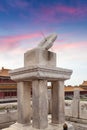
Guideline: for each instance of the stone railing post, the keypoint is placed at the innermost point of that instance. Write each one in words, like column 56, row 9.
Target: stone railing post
column 75, row 103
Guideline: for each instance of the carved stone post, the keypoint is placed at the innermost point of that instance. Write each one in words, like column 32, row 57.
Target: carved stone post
column 40, row 104
column 24, row 98
column 75, row 103
column 58, row 102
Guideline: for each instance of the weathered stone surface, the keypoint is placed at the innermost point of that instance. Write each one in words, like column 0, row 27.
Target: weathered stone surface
column 47, row 42
column 39, row 56
column 58, row 102
column 77, row 93
column 76, row 104
column 40, row 104
column 73, row 119
column 18, row 126
column 40, row 72
column 24, row 108
column 79, row 126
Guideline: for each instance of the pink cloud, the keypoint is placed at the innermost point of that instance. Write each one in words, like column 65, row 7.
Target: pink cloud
column 11, row 42
column 18, row 51
column 60, row 13
column 66, row 46
column 71, row 10
column 66, row 9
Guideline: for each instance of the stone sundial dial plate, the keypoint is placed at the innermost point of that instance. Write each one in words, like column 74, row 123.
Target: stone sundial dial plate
column 47, row 42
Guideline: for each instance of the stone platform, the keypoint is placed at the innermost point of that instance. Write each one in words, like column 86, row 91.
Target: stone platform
column 51, row 126
column 18, row 126
column 80, row 126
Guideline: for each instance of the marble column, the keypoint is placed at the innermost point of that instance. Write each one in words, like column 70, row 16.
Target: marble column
column 24, row 99
column 58, row 102
column 40, row 104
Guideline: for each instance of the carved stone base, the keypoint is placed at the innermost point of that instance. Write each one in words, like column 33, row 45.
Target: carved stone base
column 18, row 126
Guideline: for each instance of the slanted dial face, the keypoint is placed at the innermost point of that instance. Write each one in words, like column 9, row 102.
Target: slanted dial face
column 47, row 42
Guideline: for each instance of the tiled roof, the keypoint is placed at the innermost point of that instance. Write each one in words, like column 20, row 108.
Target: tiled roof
column 71, row 89
column 4, row 77
column 84, row 84
column 4, row 72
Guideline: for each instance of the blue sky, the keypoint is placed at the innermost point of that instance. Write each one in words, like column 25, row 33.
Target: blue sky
column 21, row 24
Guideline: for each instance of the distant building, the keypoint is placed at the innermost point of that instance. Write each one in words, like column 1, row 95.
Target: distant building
column 70, row 89
column 83, row 85
column 8, row 87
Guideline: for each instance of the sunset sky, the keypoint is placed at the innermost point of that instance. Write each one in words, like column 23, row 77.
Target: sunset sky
column 23, row 23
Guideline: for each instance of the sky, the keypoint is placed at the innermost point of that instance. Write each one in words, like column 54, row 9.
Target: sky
column 23, row 23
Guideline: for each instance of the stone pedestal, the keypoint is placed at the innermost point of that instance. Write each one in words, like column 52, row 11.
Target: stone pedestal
column 40, row 68
column 58, row 102
column 39, row 56
column 40, row 104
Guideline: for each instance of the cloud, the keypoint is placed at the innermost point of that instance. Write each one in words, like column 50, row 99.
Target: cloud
column 67, row 46
column 59, row 13
column 11, row 60
column 42, row 13
column 10, row 42
column 9, row 6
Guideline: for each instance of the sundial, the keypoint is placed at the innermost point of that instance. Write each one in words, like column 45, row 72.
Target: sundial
column 48, row 41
